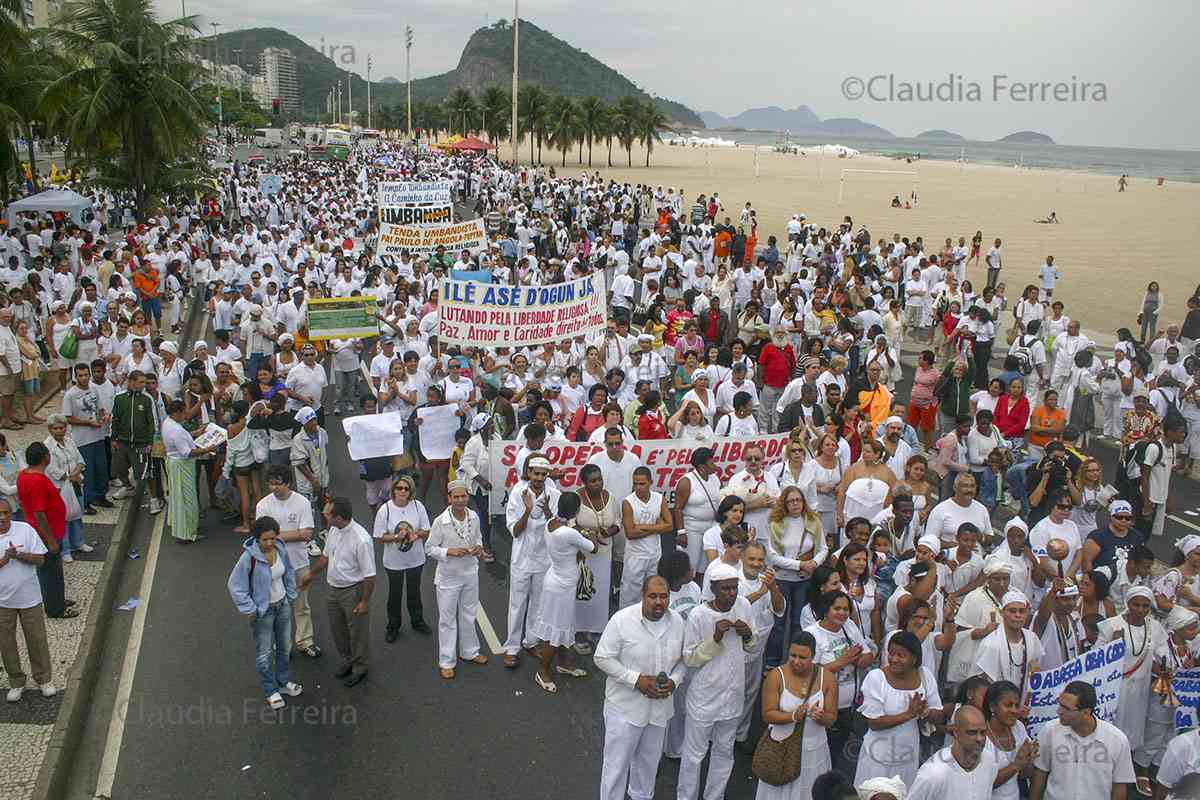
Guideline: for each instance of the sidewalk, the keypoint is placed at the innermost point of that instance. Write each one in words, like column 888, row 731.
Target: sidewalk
column 26, row 727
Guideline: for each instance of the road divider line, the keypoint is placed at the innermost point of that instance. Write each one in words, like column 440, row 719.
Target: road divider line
column 116, row 726
column 1182, row 521
column 489, row 633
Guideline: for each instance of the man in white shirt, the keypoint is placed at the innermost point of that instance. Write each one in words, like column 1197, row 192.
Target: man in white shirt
column 306, row 383
column 948, row 515
column 293, row 512
column 531, row 505
column 717, row 638
column 641, row 652
column 1080, row 757
column 994, row 263
column 964, row 770
column 1181, row 759
column 757, row 488
column 21, row 553
column 349, row 558
column 1048, row 276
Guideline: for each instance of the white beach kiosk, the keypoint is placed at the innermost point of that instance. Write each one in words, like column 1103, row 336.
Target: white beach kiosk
column 73, row 204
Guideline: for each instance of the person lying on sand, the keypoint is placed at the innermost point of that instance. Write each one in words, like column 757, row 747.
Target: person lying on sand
column 1050, row 220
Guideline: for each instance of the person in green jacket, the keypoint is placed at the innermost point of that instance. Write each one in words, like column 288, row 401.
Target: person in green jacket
column 955, row 388
column 133, row 429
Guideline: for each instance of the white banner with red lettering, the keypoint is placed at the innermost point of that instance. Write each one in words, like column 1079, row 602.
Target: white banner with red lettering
column 668, row 460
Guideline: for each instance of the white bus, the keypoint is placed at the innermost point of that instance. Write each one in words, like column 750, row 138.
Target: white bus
column 268, row 137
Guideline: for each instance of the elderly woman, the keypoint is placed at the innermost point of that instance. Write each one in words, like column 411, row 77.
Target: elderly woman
column 136, row 359
column 183, row 502
column 87, row 331
column 31, row 370
column 66, row 470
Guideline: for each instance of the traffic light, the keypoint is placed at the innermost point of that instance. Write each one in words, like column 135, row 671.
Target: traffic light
column 275, row 106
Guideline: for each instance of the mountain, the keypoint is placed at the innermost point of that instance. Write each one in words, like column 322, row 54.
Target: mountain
column 940, row 135
column 1027, row 137
column 770, row 118
column 486, row 59
column 801, row 119
column 389, row 79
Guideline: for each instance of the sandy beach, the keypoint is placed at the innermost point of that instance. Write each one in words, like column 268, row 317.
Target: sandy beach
column 1108, row 246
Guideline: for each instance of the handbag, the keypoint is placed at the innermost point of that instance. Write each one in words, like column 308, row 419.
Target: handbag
column 778, row 763
column 585, row 587
column 70, row 346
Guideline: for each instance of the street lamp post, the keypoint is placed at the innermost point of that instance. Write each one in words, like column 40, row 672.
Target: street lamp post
column 368, row 91
column 238, row 61
column 350, row 99
column 516, row 43
column 408, row 40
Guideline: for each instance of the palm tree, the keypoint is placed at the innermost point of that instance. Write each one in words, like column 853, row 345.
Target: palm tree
column 461, row 105
column 126, row 96
column 591, row 115
column 496, row 105
column 532, row 104
column 563, row 124
column 648, row 124
column 625, row 121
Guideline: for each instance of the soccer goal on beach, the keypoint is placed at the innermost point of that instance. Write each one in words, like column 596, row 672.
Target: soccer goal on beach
column 866, row 174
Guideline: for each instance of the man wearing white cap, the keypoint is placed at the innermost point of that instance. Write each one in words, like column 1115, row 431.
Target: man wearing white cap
column 717, row 637
column 1011, row 652
column 456, row 544
column 1144, row 639
column 897, row 450
column 531, row 505
column 1059, row 626
column 258, row 336
column 310, row 456
column 978, row 616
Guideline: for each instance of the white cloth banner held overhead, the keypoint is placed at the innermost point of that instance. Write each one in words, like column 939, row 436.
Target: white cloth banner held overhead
column 489, row 315
column 668, row 460
column 413, row 193
column 1100, row 667
column 374, row 435
column 436, row 431
column 424, row 240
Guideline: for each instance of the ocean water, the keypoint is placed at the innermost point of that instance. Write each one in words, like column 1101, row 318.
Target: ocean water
column 1173, row 165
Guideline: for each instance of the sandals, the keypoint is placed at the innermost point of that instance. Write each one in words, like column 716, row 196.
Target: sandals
column 510, row 661
column 1143, row 786
column 574, row 672
column 479, row 659
column 548, row 686
column 70, row 613
column 447, row 674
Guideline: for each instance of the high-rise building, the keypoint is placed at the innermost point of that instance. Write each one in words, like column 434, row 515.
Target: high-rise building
column 37, row 13
column 277, row 67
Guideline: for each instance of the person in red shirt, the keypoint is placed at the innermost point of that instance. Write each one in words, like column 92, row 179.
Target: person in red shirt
column 777, row 362
column 45, row 510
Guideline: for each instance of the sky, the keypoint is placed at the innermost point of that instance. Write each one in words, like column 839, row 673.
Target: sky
column 1138, row 61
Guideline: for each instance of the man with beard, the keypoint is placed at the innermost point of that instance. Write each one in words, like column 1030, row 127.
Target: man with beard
column 530, row 507
column 641, row 652
column 898, row 451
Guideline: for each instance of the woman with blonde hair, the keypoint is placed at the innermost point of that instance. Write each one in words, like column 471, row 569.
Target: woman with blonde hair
column 795, row 548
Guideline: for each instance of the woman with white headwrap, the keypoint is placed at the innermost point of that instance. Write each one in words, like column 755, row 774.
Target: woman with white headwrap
column 1181, row 583
column 1143, row 637
column 882, row 789
column 1181, row 650
column 1011, row 652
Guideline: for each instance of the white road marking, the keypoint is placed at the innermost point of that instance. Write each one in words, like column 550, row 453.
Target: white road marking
column 1182, row 521
column 489, row 633
column 116, row 726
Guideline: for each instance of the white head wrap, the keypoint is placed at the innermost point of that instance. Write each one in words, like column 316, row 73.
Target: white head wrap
column 1180, row 618
column 1014, row 596
column 1188, row 543
column 876, row 786
column 722, row 572
column 1138, row 591
column 996, row 564
column 930, row 542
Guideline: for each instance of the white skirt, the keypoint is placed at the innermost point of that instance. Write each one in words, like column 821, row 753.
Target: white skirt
column 556, row 622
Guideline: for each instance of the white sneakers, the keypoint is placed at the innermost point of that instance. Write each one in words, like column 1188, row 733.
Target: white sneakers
column 49, row 690
column 120, row 494
column 67, row 558
column 156, row 506
column 275, row 700
column 86, row 548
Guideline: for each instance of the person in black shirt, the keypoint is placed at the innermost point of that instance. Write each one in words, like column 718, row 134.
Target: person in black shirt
column 1049, row 475
column 1105, row 546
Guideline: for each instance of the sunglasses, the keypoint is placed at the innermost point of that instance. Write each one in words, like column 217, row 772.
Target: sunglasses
column 1064, row 506
column 1125, row 517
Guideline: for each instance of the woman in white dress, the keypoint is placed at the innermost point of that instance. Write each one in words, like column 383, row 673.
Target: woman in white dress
column 1007, row 741
column 827, row 477
column 697, row 495
column 1143, row 637
column 555, row 626
column 802, row 693
column 895, row 698
column 867, row 485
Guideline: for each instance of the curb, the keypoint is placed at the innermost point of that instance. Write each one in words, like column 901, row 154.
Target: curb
column 54, row 774
column 68, row 726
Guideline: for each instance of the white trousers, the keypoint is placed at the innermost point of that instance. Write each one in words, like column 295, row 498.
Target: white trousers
column 457, row 607
column 673, row 743
column 1112, row 415
column 524, row 595
column 696, row 739
column 637, row 569
column 754, row 678
column 631, row 754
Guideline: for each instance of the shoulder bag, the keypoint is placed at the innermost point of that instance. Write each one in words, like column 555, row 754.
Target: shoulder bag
column 778, row 763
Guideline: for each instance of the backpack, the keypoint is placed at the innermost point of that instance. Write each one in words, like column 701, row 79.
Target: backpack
column 1023, row 355
column 1128, row 487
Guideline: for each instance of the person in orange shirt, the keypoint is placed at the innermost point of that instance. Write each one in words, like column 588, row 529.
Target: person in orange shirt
column 1047, row 422
column 874, row 397
column 145, row 281
column 721, row 244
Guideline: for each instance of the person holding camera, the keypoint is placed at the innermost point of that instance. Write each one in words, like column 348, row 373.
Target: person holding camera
column 1053, row 473
column 402, row 524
